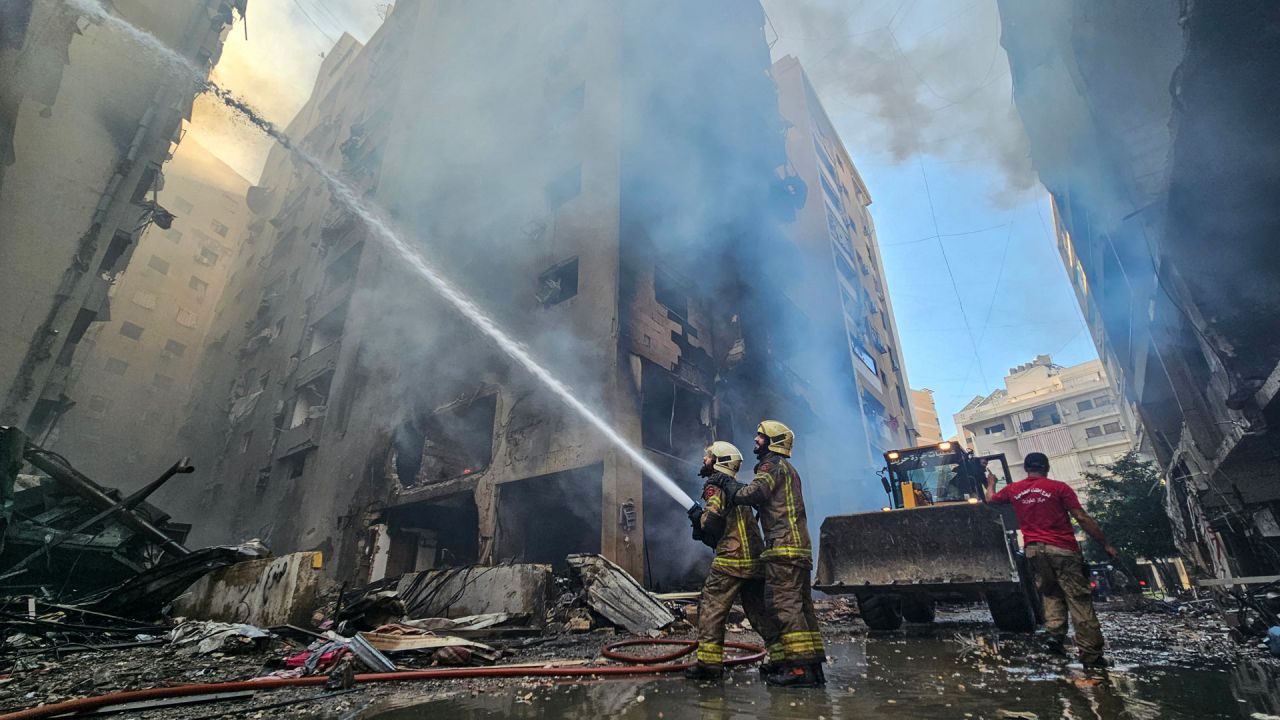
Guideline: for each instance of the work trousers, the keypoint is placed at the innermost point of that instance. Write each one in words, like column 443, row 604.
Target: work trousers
column 789, row 584
column 718, row 593
column 1061, row 582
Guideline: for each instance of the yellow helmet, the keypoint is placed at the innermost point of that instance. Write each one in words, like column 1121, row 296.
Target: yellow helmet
column 780, row 436
column 727, row 458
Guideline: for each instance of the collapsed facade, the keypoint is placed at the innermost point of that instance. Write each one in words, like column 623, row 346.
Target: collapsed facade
column 614, row 191
column 87, row 121
column 1154, row 127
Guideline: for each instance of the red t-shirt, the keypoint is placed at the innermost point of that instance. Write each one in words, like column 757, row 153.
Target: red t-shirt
column 1042, row 506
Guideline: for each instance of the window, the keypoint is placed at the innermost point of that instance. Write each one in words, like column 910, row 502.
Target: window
column 219, row 228
column 186, row 318
column 158, row 264
column 142, row 298
column 181, row 204
column 174, row 236
column 162, row 381
column 115, row 251
column 1111, row 428
column 207, row 257
column 130, row 330
column 116, row 366
column 201, row 287
column 98, row 405
column 993, row 429
column 1084, row 405
column 1102, row 400
column 1093, row 432
column 175, row 348
column 1041, row 417
column 860, row 350
column 559, row 283
column 670, row 294
column 564, row 188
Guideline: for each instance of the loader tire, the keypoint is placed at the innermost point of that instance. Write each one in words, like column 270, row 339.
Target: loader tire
column 917, row 608
column 1012, row 610
column 880, row 612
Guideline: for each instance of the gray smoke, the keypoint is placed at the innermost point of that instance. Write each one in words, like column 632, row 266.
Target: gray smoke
column 913, row 78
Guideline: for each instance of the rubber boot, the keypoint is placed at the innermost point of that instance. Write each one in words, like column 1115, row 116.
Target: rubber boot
column 704, row 672
column 1056, row 646
column 1098, row 663
column 819, row 673
column 795, row 676
column 769, row 668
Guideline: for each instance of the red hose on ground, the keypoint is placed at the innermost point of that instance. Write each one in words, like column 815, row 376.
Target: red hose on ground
column 647, row 665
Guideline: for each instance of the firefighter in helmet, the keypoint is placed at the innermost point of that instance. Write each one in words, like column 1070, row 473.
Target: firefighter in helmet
column 735, row 571
column 775, row 492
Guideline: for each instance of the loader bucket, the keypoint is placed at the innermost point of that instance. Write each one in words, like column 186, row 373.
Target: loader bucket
column 934, row 547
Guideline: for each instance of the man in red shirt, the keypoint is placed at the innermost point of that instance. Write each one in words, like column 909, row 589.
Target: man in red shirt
column 1045, row 508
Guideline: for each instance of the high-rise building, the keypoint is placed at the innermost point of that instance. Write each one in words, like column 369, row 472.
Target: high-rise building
column 142, row 364
column 1164, row 191
column 1070, row 414
column 925, row 412
column 835, row 242
column 88, row 118
column 614, row 191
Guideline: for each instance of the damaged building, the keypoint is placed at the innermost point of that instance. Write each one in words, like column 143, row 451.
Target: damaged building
column 87, row 122
column 1164, row 187
column 635, row 215
column 143, row 362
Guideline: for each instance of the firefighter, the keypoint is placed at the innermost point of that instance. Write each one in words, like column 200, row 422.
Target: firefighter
column 788, row 556
column 735, row 572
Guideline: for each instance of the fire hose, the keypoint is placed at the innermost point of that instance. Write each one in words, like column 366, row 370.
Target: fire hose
column 640, row 665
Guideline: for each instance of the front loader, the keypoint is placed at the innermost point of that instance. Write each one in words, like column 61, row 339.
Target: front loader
column 936, row 539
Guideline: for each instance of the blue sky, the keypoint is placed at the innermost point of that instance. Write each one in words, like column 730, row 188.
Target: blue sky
column 921, row 95
column 918, row 89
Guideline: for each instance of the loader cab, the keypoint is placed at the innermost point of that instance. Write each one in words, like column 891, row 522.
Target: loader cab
column 938, row 474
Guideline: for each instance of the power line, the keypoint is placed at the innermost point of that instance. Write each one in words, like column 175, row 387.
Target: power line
column 313, row 22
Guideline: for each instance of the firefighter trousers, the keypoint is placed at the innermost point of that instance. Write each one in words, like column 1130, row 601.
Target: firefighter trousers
column 1061, row 582
column 718, row 593
column 792, row 596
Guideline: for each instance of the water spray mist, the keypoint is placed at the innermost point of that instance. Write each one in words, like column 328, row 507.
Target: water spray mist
column 382, row 229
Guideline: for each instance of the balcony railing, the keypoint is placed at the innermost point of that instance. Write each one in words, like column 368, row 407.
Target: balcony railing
column 322, row 361
column 300, row 438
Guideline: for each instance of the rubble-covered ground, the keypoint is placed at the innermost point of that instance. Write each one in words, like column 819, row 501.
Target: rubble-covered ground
column 1167, row 665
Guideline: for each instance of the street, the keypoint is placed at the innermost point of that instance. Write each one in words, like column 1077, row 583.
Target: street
column 1165, row 667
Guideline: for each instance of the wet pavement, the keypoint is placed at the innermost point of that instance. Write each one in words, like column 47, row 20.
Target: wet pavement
column 955, row 669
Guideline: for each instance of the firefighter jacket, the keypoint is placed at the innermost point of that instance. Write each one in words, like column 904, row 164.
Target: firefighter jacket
column 734, row 532
column 775, row 493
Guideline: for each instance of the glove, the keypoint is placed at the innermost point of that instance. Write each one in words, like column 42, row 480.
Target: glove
column 695, row 519
column 731, row 489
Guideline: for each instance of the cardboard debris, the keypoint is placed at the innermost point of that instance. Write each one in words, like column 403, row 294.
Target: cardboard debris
column 616, row 596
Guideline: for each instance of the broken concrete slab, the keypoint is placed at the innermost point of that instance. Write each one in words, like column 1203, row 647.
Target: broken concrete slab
column 267, row 592
column 521, row 589
column 617, row 596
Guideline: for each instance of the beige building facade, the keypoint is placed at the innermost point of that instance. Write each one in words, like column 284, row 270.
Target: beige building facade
column 835, row 229
column 925, row 412
column 1070, row 414
column 135, row 373
column 88, row 120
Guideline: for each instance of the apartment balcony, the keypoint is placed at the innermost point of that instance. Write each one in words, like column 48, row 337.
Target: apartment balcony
column 318, row 363
column 331, row 298
column 300, row 438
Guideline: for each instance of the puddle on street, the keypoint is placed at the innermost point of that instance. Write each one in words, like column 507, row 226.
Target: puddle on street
column 881, row 677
